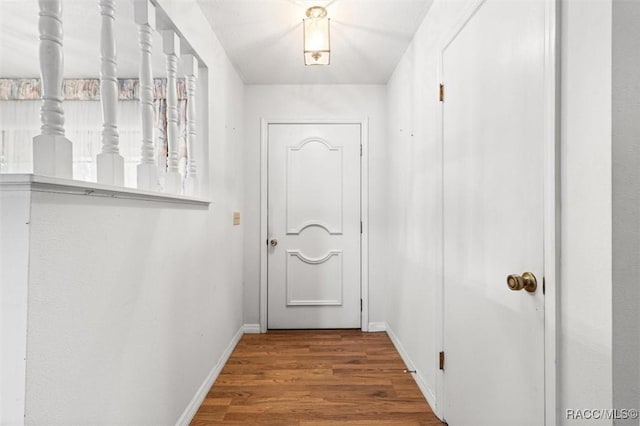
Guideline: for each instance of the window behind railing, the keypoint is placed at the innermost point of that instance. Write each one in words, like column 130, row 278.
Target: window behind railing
column 129, row 118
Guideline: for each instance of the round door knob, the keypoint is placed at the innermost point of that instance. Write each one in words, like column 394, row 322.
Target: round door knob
column 526, row 281
column 273, row 242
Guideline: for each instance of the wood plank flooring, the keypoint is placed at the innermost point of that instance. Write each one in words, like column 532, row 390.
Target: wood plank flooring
column 313, row 378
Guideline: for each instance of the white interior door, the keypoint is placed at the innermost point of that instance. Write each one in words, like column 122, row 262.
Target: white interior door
column 493, row 112
column 314, row 226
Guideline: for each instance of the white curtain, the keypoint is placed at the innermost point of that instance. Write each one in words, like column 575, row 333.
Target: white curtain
column 20, row 122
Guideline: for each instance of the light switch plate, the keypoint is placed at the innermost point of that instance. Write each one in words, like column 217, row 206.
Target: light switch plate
column 236, row 218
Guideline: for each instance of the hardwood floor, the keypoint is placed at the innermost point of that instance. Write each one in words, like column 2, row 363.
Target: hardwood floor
column 337, row 377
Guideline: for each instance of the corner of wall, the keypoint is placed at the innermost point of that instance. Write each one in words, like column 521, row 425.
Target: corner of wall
column 15, row 218
column 417, row 374
column 193, row 406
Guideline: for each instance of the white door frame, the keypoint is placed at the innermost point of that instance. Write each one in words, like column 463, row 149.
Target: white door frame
column 551, row 208
column 364, row 210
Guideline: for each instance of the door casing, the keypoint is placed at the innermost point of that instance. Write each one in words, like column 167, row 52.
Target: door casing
column 364, row 210
column 551, row 208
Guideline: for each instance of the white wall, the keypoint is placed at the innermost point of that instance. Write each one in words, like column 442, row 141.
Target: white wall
column 626, row 206
column 132, row 303
column 414, row 246
column 14, row 276
column 415, row 243
column 585, row 276
column 319, row 102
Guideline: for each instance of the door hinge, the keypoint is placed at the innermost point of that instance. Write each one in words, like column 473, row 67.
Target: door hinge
column 441, row 360
column 441, row 92
column 360, row 305
column 544, row 282
column 267, row 241
column 361, row 227
column 360, row 150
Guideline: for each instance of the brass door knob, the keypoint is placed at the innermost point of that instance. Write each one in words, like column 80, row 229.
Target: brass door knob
column 527, row 281
column 273, row 242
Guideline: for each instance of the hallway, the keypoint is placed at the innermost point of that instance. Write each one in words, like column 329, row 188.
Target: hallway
column 344, row 377
column 456, row 192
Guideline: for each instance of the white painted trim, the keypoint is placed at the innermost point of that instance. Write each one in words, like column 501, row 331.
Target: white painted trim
column 364, row 209
column 551, row 212
column 251, row 328
column 264, row 232
column 37, row 183
column 375, row 327
column 202, row 392
column 551, row 209
column 364, row 216
column 428, row 393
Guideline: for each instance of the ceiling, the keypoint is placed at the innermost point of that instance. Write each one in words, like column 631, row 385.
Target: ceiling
column 263, row 38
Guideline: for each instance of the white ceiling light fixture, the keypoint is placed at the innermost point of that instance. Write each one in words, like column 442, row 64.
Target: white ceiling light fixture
column 317, row 46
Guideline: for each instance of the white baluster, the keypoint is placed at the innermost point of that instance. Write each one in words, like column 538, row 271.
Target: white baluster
column 190, row 64
column 171, row 48
column 160, row 115
column 145, row 17
column 110, row 163
column 52, row 151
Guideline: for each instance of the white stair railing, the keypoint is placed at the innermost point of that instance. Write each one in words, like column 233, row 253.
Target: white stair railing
column 190, row 64
column 52, row 151
column 171, row 49
column 145, row 14
column 110, row 164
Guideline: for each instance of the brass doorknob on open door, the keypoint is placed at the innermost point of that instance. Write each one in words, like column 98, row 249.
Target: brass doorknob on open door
column 527, row 281
column 273, row 242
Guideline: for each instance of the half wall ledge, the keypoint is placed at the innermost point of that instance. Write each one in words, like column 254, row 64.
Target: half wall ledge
column 31, row 182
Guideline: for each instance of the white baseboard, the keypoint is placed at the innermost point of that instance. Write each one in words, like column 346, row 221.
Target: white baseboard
column 377, row 326
column 252, row 328
column 201, row 394
column 417, row 376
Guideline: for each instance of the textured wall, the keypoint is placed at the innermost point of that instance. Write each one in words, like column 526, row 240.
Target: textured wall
column 626, row 206
column 14, row 277
column 585, row 276
column 133, row 303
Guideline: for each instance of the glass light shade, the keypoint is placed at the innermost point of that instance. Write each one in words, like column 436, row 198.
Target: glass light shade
column 317, row 47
